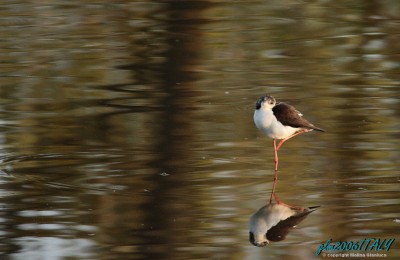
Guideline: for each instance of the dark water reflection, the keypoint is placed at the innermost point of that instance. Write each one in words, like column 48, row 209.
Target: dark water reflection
column 126, row 127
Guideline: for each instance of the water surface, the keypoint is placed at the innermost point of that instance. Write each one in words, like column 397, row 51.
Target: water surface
column 126, row 127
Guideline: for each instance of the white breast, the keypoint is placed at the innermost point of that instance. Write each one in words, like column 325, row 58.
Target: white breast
column 269, row 125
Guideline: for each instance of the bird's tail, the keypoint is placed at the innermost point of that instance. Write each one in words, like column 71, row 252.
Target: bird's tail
column 313, row 127
column 319, row 129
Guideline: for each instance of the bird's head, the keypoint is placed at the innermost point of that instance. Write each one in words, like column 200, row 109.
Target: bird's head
column 258, row 239
column 265, row 102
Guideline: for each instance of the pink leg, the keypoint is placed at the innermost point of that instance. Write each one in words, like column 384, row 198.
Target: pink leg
column 284, row 204
column 276, row 148
column 274, row 185
column 276, row 156
column 276, row 171
column 293, row 135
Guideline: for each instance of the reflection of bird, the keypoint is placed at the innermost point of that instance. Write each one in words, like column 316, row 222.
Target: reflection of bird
column 280, row 121
column 274, row 221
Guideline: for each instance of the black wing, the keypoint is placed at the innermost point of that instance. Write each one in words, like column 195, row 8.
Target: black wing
column 279, row 232
column 289, row 116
